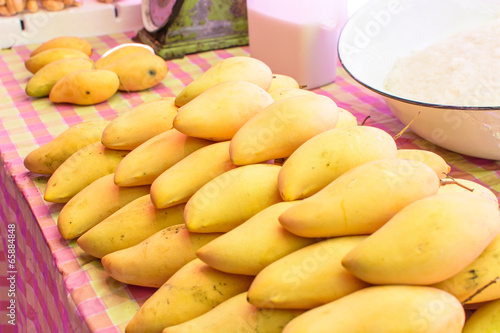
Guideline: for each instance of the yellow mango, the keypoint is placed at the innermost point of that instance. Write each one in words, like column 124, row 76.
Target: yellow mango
column 239, row 68
column 138, row 71
column 35, row 63
column 279, row 129
column 232, row 198
column 466, row 185
column 193, row 290
column 282, row 93
column 436, row 162
column 154, row 260
column 238, row 316
column 80, row 170
column 254, row 244
column 282, row 81
column 472, row 284
column 93, row 204
column 221, row 110
column 129, row 226
column 48, row 157
column 388, row 309
column 139, row 124
column 426, row 242
column 346, row 119
column 380, row 187
column 323, row 158
column 486, row 319
column 121, row 51
column 306, row 278
column 85, row 87
column 40, row 84
column 70, row 42
column 149, row 160
column 179, row 182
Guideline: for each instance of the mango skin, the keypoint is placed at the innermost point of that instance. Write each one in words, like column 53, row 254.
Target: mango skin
column 138, row 71
column 486, row 319
column 193, row 290
column 181, row 181
column 280, row 128
column 237, row 315
column 230, row 69
column 261, row 235
column 120, row 52
column 233, row 197
column 286, row 92
column 469, row 285
column 282, row 81
column 89, row 163
column 85, row 87
column 384, row 186
column 154, row 260
column 128, row 226
column 135, row 126
column 426, row 242
column 93, row 204
column 221, row 110
column 436, row 162
column 69, row 42
column 35, row 63
column 308, row 277
column 47, row 158
column 329, row 155
column 149, row 160
column 42, row 82
column 388, row 309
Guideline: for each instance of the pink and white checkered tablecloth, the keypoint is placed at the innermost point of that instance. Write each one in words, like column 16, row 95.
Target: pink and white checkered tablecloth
column 57, row 287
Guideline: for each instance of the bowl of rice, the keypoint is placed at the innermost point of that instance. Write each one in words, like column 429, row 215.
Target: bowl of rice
column 436, row 64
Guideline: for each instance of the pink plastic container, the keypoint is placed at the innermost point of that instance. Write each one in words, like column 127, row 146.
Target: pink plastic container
column 297, row 38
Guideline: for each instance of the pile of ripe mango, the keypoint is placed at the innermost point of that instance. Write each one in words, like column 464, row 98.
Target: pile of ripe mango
column 64, row 72
column 256, row 206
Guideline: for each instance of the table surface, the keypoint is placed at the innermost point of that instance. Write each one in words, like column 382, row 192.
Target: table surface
column 61, row 288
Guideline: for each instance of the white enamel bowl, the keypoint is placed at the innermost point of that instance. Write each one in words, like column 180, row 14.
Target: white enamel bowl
column 383, row 30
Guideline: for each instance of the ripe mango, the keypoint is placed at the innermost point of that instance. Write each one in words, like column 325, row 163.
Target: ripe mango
column 282, row 93
column 308, row 277
column 426, row 242
column 383, row 187
column 47, row 158
column 69, row 42
column 238, row 316
column 138, row 71
column 135, row 126
column 435, row 161
column 181, row 181
column 251, row 246
column 280, row 128
column 282, row 81
column 466, row 185
column 325, row 157
column 42, row 82
column 233, row 197
column 486, row 319
column 193, row 290
column 36, row 62
column 121, row 51
column 388, row 309
column 153, row 261
column 219, row 112
column 85, row 87
column 346, row 119
column 230, row 69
